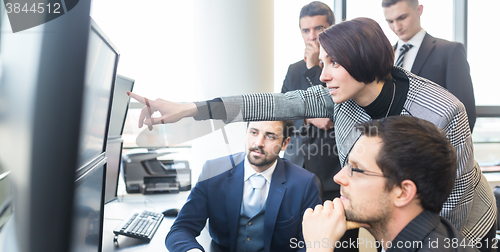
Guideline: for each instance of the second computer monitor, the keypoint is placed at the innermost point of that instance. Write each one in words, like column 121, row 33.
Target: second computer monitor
column 120, row 105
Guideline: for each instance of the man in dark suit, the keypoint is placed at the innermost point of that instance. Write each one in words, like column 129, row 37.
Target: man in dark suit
column 244, row 216
column 438, row 60
column 313, row 145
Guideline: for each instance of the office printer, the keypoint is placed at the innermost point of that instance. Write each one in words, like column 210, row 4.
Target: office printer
column 145, row 173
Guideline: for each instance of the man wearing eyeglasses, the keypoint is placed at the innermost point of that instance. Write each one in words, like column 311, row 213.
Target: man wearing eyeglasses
column 399, row 173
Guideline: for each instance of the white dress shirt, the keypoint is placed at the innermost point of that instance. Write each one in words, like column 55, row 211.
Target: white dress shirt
column 249, row 171
column 267, row 174
column 410, row 56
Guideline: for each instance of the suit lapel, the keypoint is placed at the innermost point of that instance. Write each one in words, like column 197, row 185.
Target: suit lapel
column 423, row 53
column 234, row 189
column 273, row 202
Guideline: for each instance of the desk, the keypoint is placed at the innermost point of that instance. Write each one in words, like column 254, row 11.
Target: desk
column 493, row 179
column 116, row 211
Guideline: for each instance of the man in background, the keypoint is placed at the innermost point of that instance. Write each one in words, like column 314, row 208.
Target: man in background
column 313, row 145
column 438, row 60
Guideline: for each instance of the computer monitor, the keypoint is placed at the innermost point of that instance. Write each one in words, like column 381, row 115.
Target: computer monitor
column 88, row 210
column 114, row 157
column 120, row 105
column 41, row 92
column 102, row 62
column 90, row 185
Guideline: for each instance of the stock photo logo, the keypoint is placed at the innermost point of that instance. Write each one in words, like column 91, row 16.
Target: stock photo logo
column 26, row 14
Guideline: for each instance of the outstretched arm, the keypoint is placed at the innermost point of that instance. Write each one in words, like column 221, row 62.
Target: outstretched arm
column 315, row 102
column 170, row 111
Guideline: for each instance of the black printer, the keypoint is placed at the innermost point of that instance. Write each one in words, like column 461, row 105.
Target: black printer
column 145, row 173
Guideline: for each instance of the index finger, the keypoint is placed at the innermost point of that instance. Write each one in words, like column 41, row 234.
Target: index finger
column 354, row 225
column 309, row 43
column 328, row 206
column 144, row 114
column 337, row 203
column 314, row 44
column 308, row 212
column 137, row 97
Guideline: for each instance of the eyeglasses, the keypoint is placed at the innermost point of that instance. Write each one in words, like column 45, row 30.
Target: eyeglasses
column 368, row 173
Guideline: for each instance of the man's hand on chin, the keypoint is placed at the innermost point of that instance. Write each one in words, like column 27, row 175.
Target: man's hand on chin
column 328, row 222
column 311, row 54
column 325, row 221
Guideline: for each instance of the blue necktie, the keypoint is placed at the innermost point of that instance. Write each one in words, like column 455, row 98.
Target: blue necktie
column 252, row 200
column 402, row 51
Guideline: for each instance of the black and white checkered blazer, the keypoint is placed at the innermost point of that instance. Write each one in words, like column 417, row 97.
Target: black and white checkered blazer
column 470, row 206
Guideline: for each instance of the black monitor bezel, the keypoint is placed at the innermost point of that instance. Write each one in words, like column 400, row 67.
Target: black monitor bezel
column 93, row 166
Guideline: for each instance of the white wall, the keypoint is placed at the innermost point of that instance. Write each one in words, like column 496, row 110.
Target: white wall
column 194, row 50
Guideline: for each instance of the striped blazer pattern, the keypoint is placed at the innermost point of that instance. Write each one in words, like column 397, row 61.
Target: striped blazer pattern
column 471, row 205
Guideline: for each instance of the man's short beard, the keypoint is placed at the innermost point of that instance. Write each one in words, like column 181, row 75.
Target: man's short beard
column 357, row 217
column 378, row 223
column 263, row 162
column 350, row 216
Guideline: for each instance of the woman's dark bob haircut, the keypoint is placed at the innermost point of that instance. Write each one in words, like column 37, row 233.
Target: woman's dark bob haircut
column 361, row 47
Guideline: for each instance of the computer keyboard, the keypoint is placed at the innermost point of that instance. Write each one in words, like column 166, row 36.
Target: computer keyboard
column 140, row 224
